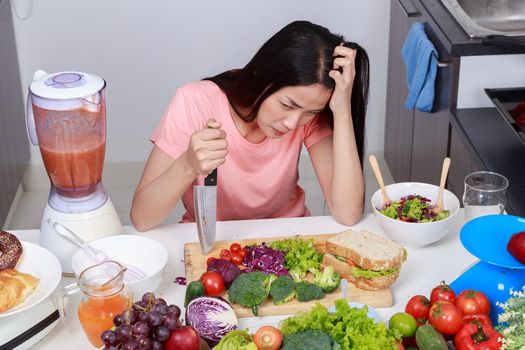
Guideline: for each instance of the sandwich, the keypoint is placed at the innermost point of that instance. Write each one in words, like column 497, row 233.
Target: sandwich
column 367, row 260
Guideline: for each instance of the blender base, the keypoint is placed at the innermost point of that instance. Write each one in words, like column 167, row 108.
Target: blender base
column 101, row 222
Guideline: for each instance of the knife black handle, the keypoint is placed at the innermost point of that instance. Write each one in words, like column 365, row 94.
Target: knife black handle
column 211, row 180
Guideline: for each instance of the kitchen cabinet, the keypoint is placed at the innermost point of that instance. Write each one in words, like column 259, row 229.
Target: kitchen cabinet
column 14, row 146
column 416, row 142
column 464, row 163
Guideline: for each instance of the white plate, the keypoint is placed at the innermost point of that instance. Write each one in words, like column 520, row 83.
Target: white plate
column 42, row 264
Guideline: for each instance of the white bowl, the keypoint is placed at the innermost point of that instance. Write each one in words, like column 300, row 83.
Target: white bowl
column 141, row 252
column 411, row 233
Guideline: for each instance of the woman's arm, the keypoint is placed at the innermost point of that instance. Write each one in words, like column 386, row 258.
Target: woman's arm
column 336, row 159
column 165, row 179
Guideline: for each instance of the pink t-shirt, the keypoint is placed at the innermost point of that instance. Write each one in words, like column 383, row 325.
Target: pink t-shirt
column 257, row 180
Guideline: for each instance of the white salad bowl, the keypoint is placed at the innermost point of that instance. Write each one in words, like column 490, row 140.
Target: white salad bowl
column 411, row 233
column 141, row 252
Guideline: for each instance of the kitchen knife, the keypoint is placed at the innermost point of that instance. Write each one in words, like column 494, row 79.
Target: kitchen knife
column 205, row 204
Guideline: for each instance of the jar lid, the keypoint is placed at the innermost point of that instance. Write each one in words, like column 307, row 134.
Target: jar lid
column 65, row 85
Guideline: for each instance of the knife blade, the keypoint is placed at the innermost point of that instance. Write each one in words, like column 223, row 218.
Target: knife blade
column 205, row 204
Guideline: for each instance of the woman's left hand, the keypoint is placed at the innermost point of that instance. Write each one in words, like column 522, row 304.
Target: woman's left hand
column 344, row 61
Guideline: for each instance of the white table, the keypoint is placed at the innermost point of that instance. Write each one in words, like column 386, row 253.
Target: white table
column 424, row 269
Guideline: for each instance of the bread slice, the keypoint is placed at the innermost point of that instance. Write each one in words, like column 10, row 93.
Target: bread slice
column 376, row 283
column 15, row 287
column 366, row 250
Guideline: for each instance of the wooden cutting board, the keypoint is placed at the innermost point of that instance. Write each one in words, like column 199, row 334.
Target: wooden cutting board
column 195, row 265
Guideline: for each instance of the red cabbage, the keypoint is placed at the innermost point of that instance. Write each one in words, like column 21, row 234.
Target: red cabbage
column 265, row 259
column 212, row 318
column 228, row 270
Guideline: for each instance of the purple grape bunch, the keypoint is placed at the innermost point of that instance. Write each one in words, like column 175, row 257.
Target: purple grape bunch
column 146, row 325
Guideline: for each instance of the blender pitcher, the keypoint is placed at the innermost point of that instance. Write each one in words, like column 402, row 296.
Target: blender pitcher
column 67, row 120
column 102, row 288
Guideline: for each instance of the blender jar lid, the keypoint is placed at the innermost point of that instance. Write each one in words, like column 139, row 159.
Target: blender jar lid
column 65, row 85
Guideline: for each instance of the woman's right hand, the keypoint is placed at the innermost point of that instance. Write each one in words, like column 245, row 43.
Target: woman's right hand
column 207, row 148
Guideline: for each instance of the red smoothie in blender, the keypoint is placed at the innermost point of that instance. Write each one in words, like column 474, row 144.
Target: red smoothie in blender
column 72, row 143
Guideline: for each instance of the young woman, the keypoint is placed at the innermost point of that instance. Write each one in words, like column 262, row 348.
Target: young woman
column 305, row 85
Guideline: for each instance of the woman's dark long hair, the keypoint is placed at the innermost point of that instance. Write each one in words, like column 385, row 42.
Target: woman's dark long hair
column 300, row 54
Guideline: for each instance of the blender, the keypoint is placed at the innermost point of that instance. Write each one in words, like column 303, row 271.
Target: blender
column 66, row 118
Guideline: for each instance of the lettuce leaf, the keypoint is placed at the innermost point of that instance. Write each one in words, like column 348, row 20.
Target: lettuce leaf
column 350, row 327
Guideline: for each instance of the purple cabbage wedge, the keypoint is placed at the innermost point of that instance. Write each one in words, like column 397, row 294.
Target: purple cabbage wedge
column 265, row 259
column 228, row 270
column 212, row 318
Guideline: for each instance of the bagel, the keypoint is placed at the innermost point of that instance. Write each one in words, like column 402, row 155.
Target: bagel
column 10, row 250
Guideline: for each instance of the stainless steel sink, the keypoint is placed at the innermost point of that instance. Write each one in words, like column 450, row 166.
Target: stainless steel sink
column 480, row 18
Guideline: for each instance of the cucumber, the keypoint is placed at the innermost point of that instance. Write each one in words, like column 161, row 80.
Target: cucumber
column 427, row 338
column 194, row 290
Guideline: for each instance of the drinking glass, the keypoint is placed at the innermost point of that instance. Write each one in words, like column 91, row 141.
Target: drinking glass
column 484, row 194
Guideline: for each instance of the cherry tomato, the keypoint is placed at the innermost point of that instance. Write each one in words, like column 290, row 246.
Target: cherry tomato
column 236, row 258
column 472, row 302
column 442, row 292
column 213, row 283
column 225, row 254
column 235, row 247
column 268, row 338
column 446, row 317
column 243, row 252
column 419, row 307
column 209, row 260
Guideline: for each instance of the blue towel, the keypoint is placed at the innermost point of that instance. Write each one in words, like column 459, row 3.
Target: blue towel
column 420, row 58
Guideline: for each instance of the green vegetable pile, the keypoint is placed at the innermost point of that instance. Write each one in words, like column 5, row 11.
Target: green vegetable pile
column 300, row 257
column 350, row 327
column 512, row 321
column 413, row 208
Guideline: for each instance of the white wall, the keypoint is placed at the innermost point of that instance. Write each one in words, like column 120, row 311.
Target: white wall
column 146, row 49
column 480, row 72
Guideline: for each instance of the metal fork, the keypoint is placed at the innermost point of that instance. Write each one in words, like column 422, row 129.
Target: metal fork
column 132, row 273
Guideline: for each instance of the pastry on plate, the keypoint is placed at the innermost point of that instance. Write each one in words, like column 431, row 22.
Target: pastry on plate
column 15, row 286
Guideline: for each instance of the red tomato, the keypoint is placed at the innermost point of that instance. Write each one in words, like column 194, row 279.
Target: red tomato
column 236, row 258
column 477, row 337
column 419, row 307
column 442, row 292
column 235, row 247
column 472, row 302
column 445, row 317
column 268, row 338
column 400, row 346
column 209, row 260
column 212, row 282
column 482, row 318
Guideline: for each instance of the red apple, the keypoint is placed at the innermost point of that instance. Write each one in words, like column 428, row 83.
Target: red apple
column 183, row 338
column 516, row 246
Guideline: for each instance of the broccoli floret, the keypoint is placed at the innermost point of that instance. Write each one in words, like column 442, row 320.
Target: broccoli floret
column 309, row 339
column 282, row 290
column 328, row 280
column 251, row 289
column 306, row 291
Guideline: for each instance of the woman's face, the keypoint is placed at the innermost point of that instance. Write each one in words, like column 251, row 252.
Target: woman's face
column 290, row 108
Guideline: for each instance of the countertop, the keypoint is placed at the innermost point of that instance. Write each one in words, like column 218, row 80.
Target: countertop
column 456, row 41
column 423, row 270
column 493, row 141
